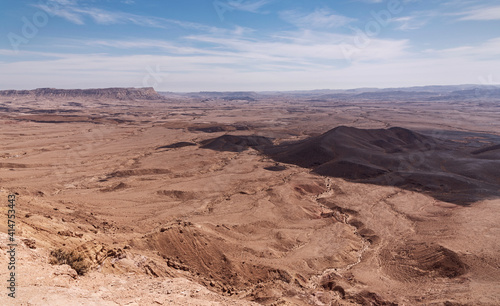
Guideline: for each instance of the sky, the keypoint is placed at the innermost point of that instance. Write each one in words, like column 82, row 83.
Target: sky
column 240, row 45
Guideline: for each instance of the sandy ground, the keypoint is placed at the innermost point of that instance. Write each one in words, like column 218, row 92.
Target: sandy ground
column 193, row 226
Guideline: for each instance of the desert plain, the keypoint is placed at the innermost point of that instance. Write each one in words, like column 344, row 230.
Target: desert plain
column 299, row 198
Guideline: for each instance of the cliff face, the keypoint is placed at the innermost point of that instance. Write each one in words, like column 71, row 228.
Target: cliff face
column 146, row 93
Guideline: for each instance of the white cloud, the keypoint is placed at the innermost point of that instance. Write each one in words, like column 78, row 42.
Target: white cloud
column 71, row 11
column 482, row 14
column 484, row 51
column 239, row 62
column 319, row 19
column 304, row 47
column 407, row 23
column 195, row 73
column 138, row 45
column 243, row 59
column 371, row 1
column 65, row 2
column 54, row 9
column 248, row 6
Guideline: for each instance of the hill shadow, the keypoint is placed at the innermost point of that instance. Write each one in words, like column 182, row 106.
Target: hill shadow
column 444, row 168
column 233, row 143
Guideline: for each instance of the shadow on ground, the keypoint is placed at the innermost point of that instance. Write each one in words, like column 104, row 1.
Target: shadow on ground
column 452, row 169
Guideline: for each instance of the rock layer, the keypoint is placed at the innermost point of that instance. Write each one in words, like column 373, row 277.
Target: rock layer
column 146, row 93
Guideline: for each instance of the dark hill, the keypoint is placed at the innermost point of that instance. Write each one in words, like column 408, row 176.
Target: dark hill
column 350, row 143
column 444, row 169
column 398, row 157
column 235, row 143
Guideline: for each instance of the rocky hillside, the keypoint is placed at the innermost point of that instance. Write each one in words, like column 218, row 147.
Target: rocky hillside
column 398, row 157
column 146, row 93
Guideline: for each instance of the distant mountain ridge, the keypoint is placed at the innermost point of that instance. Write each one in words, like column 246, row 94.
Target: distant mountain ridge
column 146, row 93
column 424, row 93
column 417, row 93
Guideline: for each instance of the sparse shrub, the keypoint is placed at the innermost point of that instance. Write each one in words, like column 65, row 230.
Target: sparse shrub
column 73, row 259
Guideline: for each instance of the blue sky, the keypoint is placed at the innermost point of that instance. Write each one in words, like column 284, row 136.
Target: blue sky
column 198, row 45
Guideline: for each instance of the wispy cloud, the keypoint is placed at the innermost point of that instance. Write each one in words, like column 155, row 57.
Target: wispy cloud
column 481, row 14
column 194, row 73
column 248, row 6
column 414, row 21
column 309, row 56
column 151, row 44
column 72, row 11
column 319, row 19
column 63, row 9
column 303, row 46
column 486, row 50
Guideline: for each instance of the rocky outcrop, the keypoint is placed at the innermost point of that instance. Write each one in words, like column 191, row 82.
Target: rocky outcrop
column 146, row 93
